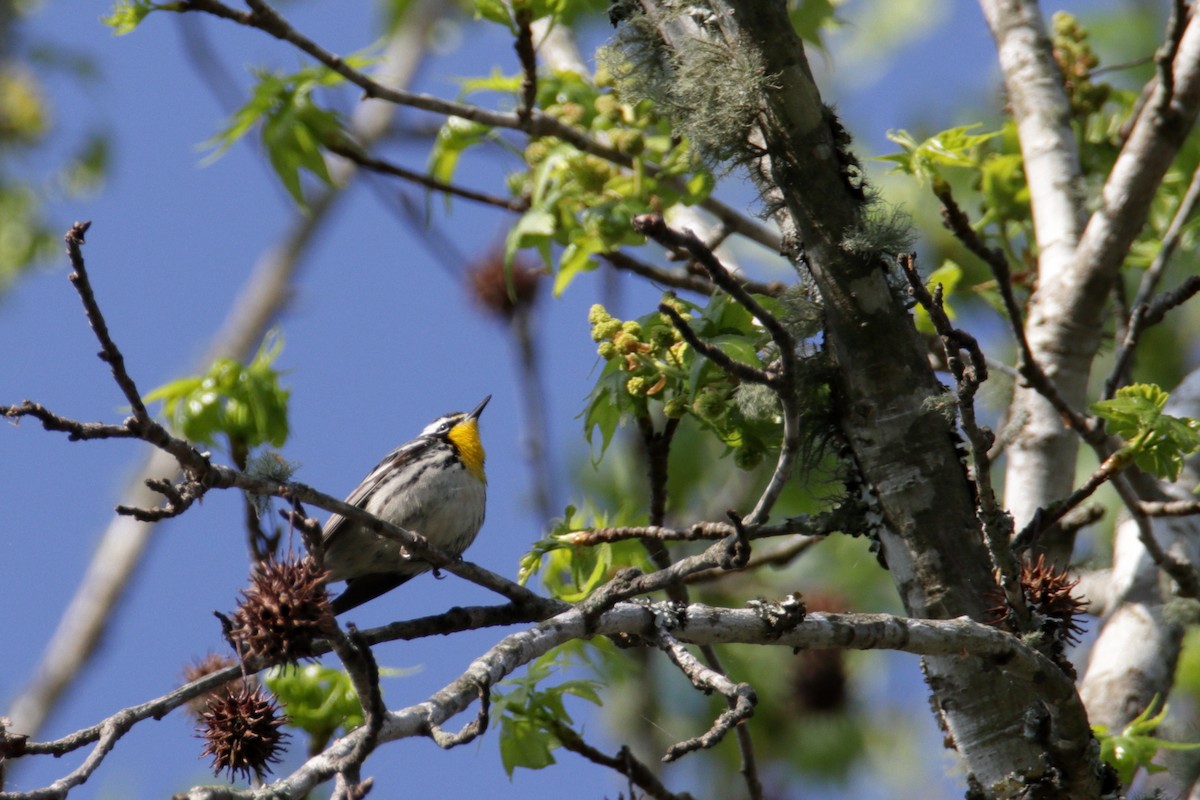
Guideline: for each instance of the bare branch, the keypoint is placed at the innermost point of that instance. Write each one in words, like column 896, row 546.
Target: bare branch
column 1183, row 573
column 528, row 58
column 741, row 695
column 384, row 167
column 969, row 374
column 108, row 349
column 683, row 278
column 74, row 429
column 1142, row 317
column 623, row 762
column 471, row 730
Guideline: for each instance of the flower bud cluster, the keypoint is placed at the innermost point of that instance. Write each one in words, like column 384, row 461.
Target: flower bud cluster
column 650, row 350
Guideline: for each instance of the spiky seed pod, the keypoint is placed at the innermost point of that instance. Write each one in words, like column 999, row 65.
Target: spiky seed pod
column 283, row 613
column 489, row 285
column 213, row 662
column 1057, row 612
column 241, row 732
column 1049, row 593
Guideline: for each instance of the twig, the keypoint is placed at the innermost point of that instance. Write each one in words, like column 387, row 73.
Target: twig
column 355, row 654
column 779, row 557
column 749, row 768
column 656, row 228
column 737, row 369
column 707, row 680
column 266, row 19
column 528, row 58
column 179, row 499
column 784, row 382
column 108, row 350
column 1140, row 319
column 816, row 525
column 1027, row 365
column 1169, row 508
column 75, row 430
column 623, row 762
column 1164, row 58
column 471, row 730
column 684, row 279
column 657, row 445
column 533, row 400
column 1044, row 518
column 1183, row 573
column 388, row 168
column 969, row 374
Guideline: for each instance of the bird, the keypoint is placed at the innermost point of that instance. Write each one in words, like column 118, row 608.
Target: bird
column 433, row 485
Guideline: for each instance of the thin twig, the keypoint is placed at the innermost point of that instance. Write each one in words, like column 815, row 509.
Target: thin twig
column 528, row 58
column 623, row 762
column 783, row 382
column 749, row 768
column 75, row 430
column 969, row 374
column 469, row 732
column 779, row 557
column 685, row 279
column 1044, row 518
column 741, row 696
column 108, row 350
column 958, row 224
column 1183, row 573
column 1138, row 320
column 738, row 369
column 355, row 654
column 816, row 525
column 388, row 168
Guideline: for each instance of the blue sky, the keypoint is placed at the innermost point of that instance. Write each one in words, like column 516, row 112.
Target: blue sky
column 380, row 339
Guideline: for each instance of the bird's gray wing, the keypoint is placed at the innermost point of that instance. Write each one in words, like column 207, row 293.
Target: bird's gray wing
column 397, row 458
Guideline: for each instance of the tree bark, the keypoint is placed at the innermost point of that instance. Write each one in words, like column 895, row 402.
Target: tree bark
column 905, row 449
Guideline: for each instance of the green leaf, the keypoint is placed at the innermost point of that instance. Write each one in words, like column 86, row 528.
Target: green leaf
column 126, row 15
column 534, row 229
column 810, row 18
column 524, row 744
column 1157, row 442
column 317, row 699
column 294, row 127
column 454, row 137
column 495, row 11
column 246, row 404
column 955, row 147
column 605, row 407
column 529, row 711
column 1134, row 747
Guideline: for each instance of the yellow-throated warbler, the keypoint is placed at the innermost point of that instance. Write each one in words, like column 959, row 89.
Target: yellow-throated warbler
column 433, row 485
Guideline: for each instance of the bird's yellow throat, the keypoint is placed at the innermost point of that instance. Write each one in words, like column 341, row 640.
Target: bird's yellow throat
column 465, row 436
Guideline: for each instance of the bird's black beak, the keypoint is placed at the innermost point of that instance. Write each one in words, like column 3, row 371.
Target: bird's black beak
column 479, row 408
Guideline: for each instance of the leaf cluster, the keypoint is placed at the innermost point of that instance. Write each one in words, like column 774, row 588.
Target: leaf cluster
column 533, row 716
column 244, row 403
column 1134, row 746
column 318, row 700
column 1158, row 443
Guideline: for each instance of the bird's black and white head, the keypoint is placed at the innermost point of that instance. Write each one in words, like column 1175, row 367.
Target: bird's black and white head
column 462, row 430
